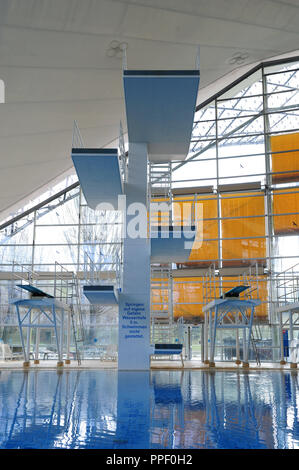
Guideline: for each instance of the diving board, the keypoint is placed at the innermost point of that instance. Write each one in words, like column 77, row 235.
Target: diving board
column 41, row 311
column 34, row 291
column 99, row 175
column 101, row 294
column 235, row 291
column 171, row 244
column 160, row 107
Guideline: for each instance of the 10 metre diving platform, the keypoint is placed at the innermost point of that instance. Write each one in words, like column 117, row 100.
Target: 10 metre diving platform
column 160, row 108
column 99, row 174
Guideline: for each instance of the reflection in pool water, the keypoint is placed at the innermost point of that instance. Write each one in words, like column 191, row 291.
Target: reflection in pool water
column 158, row 409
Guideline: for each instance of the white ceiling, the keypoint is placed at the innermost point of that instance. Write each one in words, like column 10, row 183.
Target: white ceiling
column 54, row 62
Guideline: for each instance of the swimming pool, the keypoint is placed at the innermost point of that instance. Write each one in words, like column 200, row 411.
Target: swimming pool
column 149, row 410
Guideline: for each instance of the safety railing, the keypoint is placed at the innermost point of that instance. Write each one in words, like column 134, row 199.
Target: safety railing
column 105, row 272
column 77, row 141
column 286, row 284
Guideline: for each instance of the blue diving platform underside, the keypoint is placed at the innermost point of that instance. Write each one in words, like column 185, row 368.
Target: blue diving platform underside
column 34, row 291
column 231, row 302
column 104, row 295
column 160, row 107
column 40, row 302
column 173, row 245
column 99, row 175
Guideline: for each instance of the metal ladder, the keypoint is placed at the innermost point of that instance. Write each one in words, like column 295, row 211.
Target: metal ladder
column 159, row 189
column 161, row 310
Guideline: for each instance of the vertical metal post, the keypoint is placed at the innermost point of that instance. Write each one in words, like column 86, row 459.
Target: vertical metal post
column 68, row 337
column 202, row 328
column 249, row 334
column 213, row 336
column 61, row 334
column 282, row 360
column 291, row 326
column 28, row 335
column 56, row 335
column 26, row 359
column 33, row 243
column 238, row 361
column 206, row 337
column 79, row 229
column 37, row 341
column 244, row 345
column 269, row 226
column 211, row 332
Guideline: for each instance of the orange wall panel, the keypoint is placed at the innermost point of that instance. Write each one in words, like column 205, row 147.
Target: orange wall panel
column 282, row 203
column 285, row 162
column 242, row 206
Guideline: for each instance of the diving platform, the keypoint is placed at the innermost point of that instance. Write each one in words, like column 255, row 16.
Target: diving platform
column 40, row 303
column 229, row 313
column 41, row 311
column 231, row 303
column 101, row 294
column 34, row 291
column 235, row 292
column 99, row 175
column 171, row 244
column 160, row 107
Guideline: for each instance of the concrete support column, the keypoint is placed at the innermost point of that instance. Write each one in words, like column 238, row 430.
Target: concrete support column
column 134, row 301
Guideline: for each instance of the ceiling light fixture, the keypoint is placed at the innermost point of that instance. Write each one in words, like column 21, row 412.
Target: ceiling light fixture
column 116, row 49
column 238, row 58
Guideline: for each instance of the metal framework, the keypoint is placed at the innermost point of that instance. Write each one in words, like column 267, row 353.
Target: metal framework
column 223, row 312
column 236, row 115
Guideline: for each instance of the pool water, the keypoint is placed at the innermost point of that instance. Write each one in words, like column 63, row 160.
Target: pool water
column 149, row 410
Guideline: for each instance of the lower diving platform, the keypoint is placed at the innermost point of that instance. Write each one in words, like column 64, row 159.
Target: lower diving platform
column 99, row 174
column 104, row 295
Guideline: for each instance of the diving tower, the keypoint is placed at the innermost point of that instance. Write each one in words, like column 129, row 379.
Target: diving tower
column 160, row 107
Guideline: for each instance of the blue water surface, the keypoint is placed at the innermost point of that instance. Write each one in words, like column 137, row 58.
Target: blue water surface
column 106, row 409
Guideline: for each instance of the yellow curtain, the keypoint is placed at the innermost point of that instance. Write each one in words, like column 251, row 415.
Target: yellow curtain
column 285, row 162
column 203, row 208
column 189, row 291
column 235, row 252
column 189, row 296
column 283, row 203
